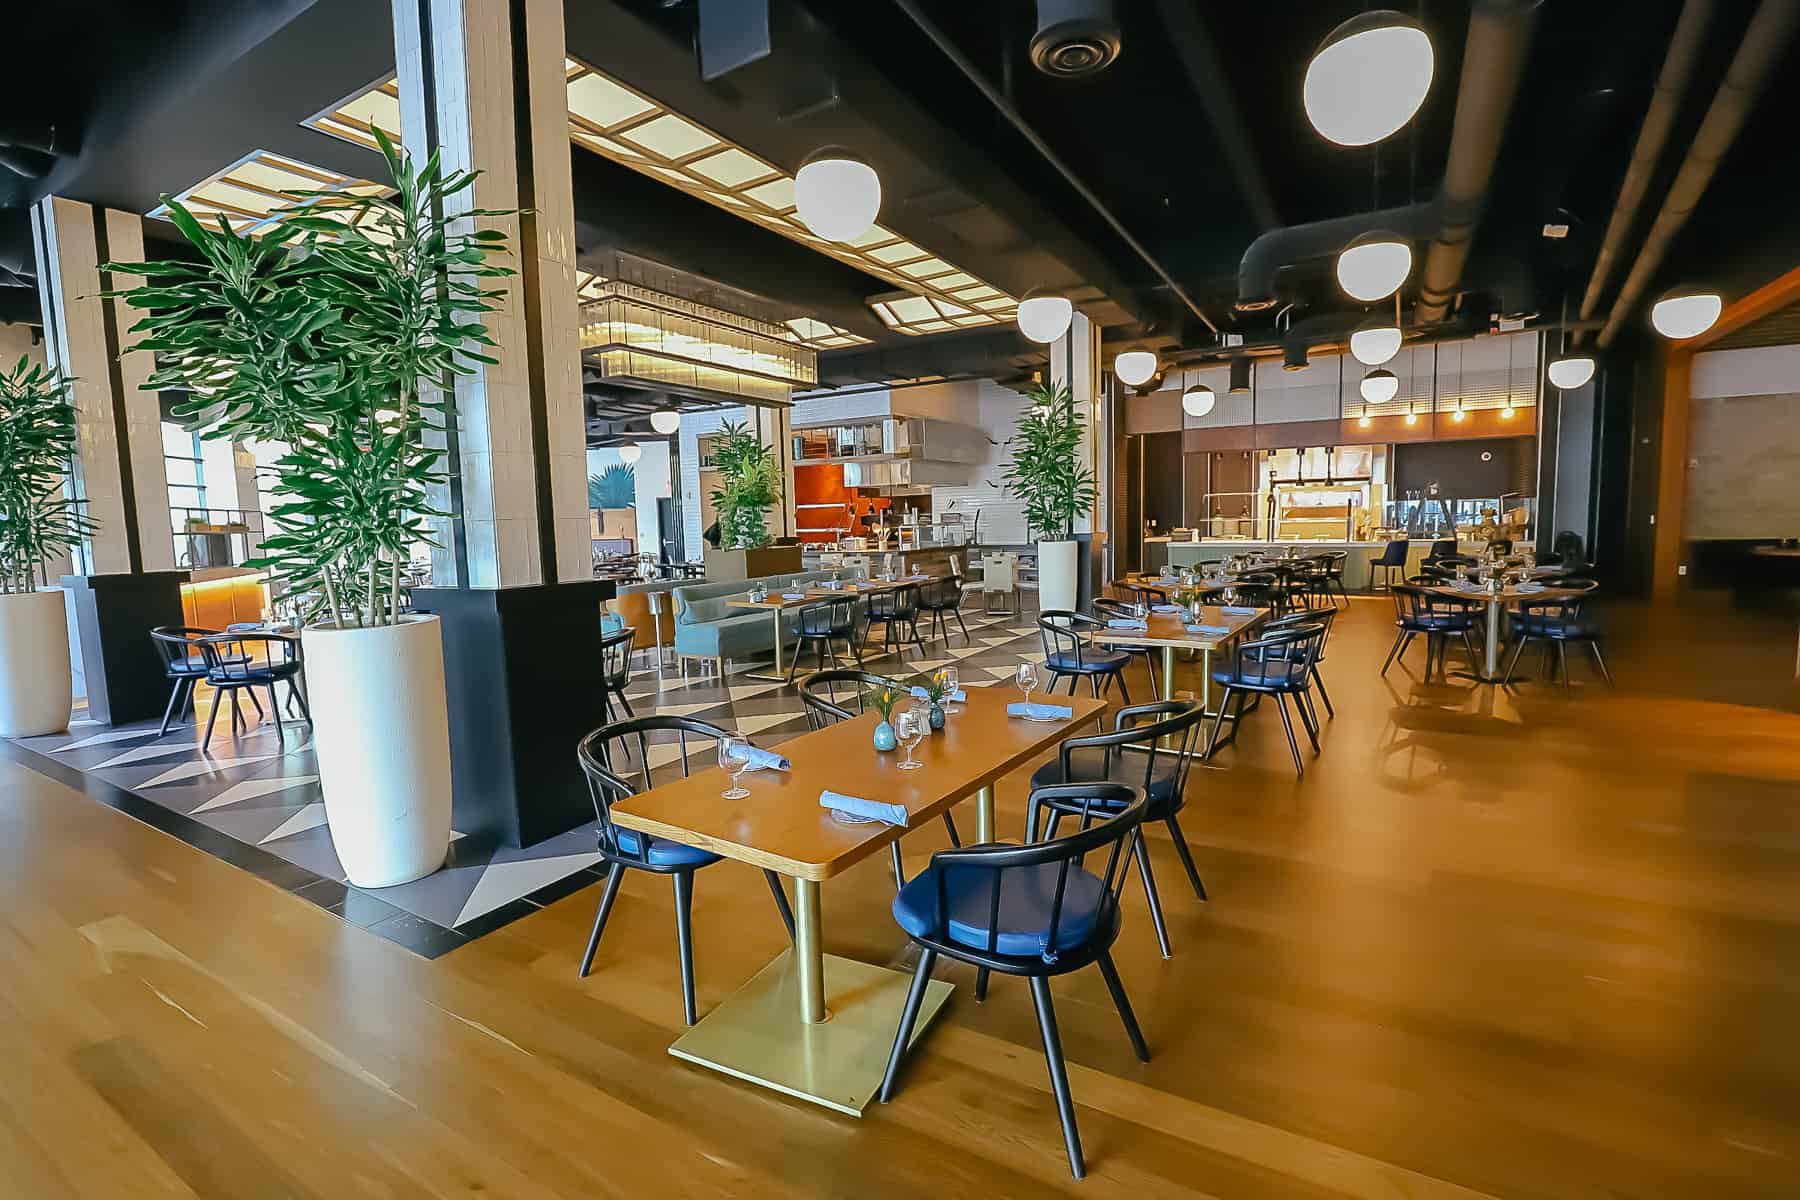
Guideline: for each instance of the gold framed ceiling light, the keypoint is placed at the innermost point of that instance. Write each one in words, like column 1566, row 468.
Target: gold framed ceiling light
column 249, row 192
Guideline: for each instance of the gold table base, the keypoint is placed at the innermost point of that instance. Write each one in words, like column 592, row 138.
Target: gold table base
column 757, row 1035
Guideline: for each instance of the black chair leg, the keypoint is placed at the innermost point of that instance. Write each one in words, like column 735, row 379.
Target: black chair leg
column 909, row 1016
column 212, row 716
column 950, row 827
column 295, row 694
column 1116, row 986
column 1308, row 719
column 255, row 703
column 1212, row 738
column 1562, row 663
column 1124, row 692
column 899, row 867
column 1600, row 661
column 1287, row 723
column 981, row 982
column 169, row 710
column 1518, row 649
column 1186, row 855
column 1397, row 649
column 1142, row 853
column 959, row 624
column 781, row 902
column 614, row 878
column 1093, row 686
column 1323, row 694
column 1059, row 1073
column 684, row 936
column 237, row 713
column 275, row 707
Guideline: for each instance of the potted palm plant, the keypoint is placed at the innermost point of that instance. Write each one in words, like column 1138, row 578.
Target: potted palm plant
column 749, row 486
column 317, row 337
column 37, row 523
column 1048, row 475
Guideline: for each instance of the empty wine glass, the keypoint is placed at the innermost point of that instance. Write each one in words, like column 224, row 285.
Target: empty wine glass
column 1027, row 679
column 910, row 727
column 734, row 757
column 952, row 682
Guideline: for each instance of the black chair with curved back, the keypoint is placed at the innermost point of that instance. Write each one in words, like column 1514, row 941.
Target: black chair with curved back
column 1034, row 911
column 822, row 625
column 1438, row 618
column 615, row 670
column 242, row 662
column 1106, row 609
column 1160, row 737
column 1278, row 664
column 819, row 697
column 1327, row 578
column 626, row 849
column 1558, row 623
column 1324, row 616
column 1068, row 653
column 942, row 596
column 1391, row 558
column 1255, row 589
column 898, row 612
column 183, row 661
column 1440, row 549
column 1567, row 548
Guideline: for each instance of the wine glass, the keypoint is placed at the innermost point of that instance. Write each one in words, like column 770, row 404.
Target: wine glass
column 910, row 727
column 734, row 757
column 952, row 681
column 1027, row 679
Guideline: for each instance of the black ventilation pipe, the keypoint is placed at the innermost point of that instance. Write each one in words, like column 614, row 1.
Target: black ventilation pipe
column 1763, row 48
column 1297, row 243
column 1205, row 68
column 1659, row 118
column 1493, row 61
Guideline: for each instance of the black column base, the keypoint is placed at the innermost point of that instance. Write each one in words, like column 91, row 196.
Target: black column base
column 522, row 676
column 114, row 615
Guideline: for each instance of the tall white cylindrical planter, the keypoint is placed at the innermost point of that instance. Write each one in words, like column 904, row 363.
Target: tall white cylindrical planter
column 381, row 731
column 36, row 691
column 1058, row 584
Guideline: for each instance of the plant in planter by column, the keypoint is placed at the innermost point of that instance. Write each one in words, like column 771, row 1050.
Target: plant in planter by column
column 749, row 486
column 1048, row 475
column 37, row 523
column 318, row 336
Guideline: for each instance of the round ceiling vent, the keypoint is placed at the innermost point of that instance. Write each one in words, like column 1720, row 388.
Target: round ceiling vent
column 1074, row 38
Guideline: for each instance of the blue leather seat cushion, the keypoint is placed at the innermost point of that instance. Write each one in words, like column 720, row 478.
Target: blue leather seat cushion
column 1089, row 766
column 1026, row 894
column 1093, row 662
column 1262, row 674
column 664, row 853
column 1542, row 627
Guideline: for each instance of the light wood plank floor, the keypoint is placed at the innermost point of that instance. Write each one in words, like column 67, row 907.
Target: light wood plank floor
column 1490, row 946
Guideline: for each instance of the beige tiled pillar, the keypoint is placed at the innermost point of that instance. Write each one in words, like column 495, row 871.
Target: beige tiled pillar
column 1075, row 361
column 119, row 461
column 521, row 438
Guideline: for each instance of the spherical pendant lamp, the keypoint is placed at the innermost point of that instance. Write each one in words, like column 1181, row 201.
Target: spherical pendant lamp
column 1198, row 400
column 1379, row 386
column 665, row 420
column 837, row 194
column 1374, row 266
column 1044, row 315
column 1570, row 370
column 630, row 453
column 1375, row 342
column 1686, row 312
column 1135, row 367
column 1368, row 78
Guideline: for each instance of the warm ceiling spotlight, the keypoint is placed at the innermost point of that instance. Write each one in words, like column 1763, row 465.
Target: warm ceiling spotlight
column 665, row 420
column 1459, row 414
column 1198, row 400
column 1363, row 421
column 1375, row 341
column 1368, row 78
column 1379, row 386
column 1412, row 418
column 1135, row 367
column 631, row 453
column 1044, row 315
column 1293, row 357
column 1374, row 266
column 1240, row 375
column 837, row 194
column 1507, row 411
column 1686, row 312
column 1570, row 370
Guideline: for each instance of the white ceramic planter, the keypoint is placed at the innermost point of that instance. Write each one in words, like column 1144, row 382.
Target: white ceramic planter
column 381, row 732
column 1057, row 577
column 36, row 690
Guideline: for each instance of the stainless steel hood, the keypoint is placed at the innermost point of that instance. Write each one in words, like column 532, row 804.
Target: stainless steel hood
column 895, row 453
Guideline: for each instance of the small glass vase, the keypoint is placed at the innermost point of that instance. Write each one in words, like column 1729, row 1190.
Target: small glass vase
column 936, row 718
column 884, row 737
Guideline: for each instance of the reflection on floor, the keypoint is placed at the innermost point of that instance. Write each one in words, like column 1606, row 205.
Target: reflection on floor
column 261, row 792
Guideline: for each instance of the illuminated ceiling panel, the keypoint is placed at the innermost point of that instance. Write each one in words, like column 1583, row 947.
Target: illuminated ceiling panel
column 806, row 331
column 250, row 192
column 634, row 130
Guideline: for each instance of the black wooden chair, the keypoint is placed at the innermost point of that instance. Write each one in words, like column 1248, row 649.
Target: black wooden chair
column 1391, row 558
column 1068, row 653
column 819, row 697
column 943, row 596
column 897, row 612
column 234, row 665
column 1279, row 665
column 1322, row 616
column 183, row 661
column 1438, row 618
column 1034, row 911
column 821, row 625
column 1161, row 738
column 626, row 849
column 1558, row 624
column 615, row 670
column 1104, row 609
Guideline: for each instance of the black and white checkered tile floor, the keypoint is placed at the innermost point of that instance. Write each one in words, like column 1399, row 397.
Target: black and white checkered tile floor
column 254, row 800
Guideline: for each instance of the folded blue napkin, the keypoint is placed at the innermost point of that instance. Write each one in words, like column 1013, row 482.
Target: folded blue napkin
column 856, row 806
column 762, row 760
column 956, row 697
column 1124, row 623
column 832, row 585
column 1208, row 630
column 1040, row 712
column 1238, row 610
column 1165, row 609
column 793, row 595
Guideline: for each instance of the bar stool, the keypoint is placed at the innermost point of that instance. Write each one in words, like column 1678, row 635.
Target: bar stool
column 1392, row 556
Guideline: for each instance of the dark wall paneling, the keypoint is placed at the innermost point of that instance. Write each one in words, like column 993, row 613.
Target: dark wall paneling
column 1162, row 479
column 1131, row 539
column 1159, row 412
column 1457, row 467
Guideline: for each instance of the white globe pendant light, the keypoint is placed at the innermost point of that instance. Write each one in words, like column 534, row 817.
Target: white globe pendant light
column 1368, row 78
column 665, row 420
column 1570, row 370
column 1379, row 386
column 837, row 194
column 1374, row 266
column 630, row 453
column 1198, row 400
column 1375, row 342
column 1134, row 367
column 1686, row 312
column 1044, row 316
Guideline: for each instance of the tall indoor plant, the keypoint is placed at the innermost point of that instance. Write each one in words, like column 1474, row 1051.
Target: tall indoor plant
column 318, row 335
column 37, row 523
column 1048, row 475
column 749, row 486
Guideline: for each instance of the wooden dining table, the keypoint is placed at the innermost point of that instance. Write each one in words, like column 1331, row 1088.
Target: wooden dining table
column 1497, row 603
column 779, row 602
column 1169, row 633
column 813, row 1025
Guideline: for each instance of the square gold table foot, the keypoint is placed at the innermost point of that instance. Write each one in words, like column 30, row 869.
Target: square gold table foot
column 757, row 1036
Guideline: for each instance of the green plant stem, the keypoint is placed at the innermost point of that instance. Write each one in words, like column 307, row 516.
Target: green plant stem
column 331, row 598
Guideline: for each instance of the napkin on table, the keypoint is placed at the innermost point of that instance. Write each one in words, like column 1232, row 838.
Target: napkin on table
column 956, row 697
column 1238, row 610
column 1211, row 630
column 762, row 760
column 1124, row 623
column 856, row 806
column 1040, row 712
column 1165, row 609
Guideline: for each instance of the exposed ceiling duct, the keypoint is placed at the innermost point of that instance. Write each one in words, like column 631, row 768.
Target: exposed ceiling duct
column 1493, row 62
column 1075, row 37
column 1278, row 248
column 1763, row 48
column 28, row 148
column 1205, row 69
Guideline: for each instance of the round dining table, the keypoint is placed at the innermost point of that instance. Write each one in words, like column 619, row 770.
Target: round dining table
column 1497, row 603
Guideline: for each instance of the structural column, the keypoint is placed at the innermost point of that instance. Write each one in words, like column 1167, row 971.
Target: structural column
column 1075, row 363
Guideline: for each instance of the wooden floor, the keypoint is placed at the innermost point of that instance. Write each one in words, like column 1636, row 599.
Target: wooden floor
column 1491, row 946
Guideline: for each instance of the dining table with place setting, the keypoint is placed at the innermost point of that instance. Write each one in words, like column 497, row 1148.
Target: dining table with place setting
column 1499, row 589
column 760, row 599
column 812, row 1025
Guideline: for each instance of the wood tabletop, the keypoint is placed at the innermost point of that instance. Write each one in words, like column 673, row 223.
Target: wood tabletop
column 813, row 594
column 1169, row 629
column 782, row 827
column 1508, row 595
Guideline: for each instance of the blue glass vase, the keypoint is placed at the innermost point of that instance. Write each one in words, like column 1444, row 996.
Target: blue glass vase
column 884, row 737
column 937, row 718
